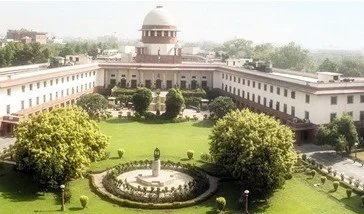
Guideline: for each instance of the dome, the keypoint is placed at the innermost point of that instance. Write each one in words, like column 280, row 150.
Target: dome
column 140, row 45
column 159, row 16
column 178, row 45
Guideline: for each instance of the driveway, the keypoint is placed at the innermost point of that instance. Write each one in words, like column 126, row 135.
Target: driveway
column 5, row 142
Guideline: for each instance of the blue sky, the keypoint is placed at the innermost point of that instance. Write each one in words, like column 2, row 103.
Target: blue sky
column 314, row 25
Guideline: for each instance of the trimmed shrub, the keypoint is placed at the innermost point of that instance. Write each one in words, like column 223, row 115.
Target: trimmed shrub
column 84, row 201
column 348, row 192
column 357, row 183
column 329, row 169
column 342, row 176
column 67, row 195
column 313, row 162
column 313, row 173
column 221, row 203
column 206, row 157
column 121, row 153
column 190, row 154
column 323, row 179
column 335, row 184
column 334, row 172
column 320, row 166
column 351, row 178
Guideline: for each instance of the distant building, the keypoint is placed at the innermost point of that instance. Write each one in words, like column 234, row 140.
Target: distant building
column 237, row 62
column 191, row 50
column 22, row 34
column 55, row 40
column 4, row 42
column 127, row 49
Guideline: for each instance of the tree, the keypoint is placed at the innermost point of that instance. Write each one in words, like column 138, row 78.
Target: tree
column 142, row 99
column 94, row 104
column 174, row 103
column 328, row 65
column 290, row 56
column 340, row 133
column 263, row 52
column 57, row 146
column 238, row 48
column 255, row 149
column 221, row 106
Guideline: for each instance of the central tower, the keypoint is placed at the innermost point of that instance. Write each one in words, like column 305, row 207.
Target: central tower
column 159, row 39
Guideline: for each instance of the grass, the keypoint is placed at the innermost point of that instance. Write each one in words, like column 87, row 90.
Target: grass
column 18, row 194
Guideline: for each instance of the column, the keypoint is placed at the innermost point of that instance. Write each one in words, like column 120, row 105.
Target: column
column 164, row 81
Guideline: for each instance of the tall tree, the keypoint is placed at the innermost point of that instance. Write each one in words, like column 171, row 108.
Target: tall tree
column 328, row 65
column 142, row 99
column 263, row 52
column 255, row 148
column 94, row 104
column 174, row 103
column 57, row 146
column 290, row 56
column 238, row 48
column 221, row 106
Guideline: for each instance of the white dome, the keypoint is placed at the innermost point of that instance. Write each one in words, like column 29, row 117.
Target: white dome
column 159, row 16
column 140, row 45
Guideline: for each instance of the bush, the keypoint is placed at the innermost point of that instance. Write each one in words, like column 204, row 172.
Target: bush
column 335, row 184
column 320, row 166
column 84, row 201
column 121, row 153
column 323, row 179
column 313, row 162
column 221, row 203
column 357, row 183
column 190, row 154
column 206, row 157
column 304, row 157
column 348, row 192
column 342, row 176
column 313, row 173
column 329, row 169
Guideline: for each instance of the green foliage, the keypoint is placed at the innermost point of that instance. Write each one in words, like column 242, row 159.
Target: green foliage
column 255, row 148
column 323, row 179
column 290, row 56
column 348, row 192
column 142, row 99
column 328, row 65
column 67, row 194
column 221, row 106
column 57, row 146
column 335, row 184
column 121, row 153
column 313, row 173
column 190, row 154
column 238, row 48
column 221, row 203
column 362, row 200
column 125, row 99
column 340, row 133
column 174, row 103
column 84, row 201
column 304, row 157
column 94, row 104
column 206, row 157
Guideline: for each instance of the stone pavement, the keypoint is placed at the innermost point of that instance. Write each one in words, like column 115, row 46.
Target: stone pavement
column 5, row 142
column 328, row 157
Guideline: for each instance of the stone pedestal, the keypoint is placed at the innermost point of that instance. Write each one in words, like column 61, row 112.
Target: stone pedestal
column 156, row 168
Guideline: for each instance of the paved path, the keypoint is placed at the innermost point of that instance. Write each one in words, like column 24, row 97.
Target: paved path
column 213, row 184
column 5, row 142
column 328, row 157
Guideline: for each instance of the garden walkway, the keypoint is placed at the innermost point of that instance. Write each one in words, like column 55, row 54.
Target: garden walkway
column 212, row 180
column 5, row 142
column 328, row 157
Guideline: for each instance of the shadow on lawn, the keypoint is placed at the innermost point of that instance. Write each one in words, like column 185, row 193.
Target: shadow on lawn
column 204, row 124
column 18, row 186
column 353, row 203
column 119, row 121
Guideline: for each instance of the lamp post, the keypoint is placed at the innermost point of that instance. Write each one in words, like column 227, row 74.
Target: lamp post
column 62, row 187
column 246, row 192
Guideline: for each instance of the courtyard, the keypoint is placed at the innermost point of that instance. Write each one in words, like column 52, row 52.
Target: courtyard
column 173, row 139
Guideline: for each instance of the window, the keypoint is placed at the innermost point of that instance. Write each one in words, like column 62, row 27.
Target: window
column 253, row 97
column 248, row 82
column 44, row 98
column 277, row 106
column 67, row 91
column 270, row 103
column 62, row 93
column 239, row 92
column 350, row 99
column 159, row 33
column 62, row 80
column 278, row 90
column 68, row 79
column 38, row 85
column 194, row 77
column 9, row 91
column 285, row 92
column 51, row 82
column 243, row 94
column 362, row 98
column 307, row 100
column 265, row 87
column 361, row 116
column 123, row 75
column 77, row 76
column 265, row 101
column 293, row 94
column 234, row 90
column 23, row 88
column 37, row 101
column 248, row 95
column 234, row 79
column 253, row 84
column 22, row 104
column 30, row 102
column 222, row 76
column 204, row 77
column 165, row 33
column 285, row 108
column 271, row 89
column 293, row 110
column 350, row 113
column 30, row 87
column 8, row 109
column 307, row 115
column 73, row 78
column 239, row 80
column 230, row 77
column 45, row 84
column 56, row 81
column 229, row 89
column 259, row 85
column 56, row 94
column 50, row 96
column 227, row 76
column 152, row 33
column 333, row 100
column 332, row 116
column 133, row 76
column 182, row 77
column 258, row 99
column 243, row 81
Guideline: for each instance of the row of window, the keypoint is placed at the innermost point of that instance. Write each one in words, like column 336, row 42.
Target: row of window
column 160, row 33
column 349, row 99
column 56, row 81
column 158, row 76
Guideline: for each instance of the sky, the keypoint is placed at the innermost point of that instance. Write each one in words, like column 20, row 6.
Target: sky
column 313, row 25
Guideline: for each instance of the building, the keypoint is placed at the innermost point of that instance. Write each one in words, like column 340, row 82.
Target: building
column 300, row 101
column 237, row 62
column 191, row 50
column 20, row 35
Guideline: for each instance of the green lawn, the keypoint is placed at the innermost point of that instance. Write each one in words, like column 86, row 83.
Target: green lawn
column 18, row 194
